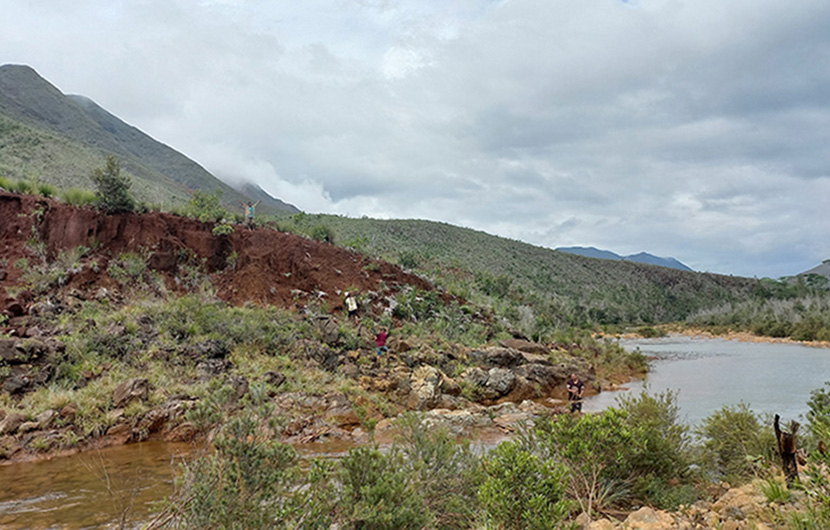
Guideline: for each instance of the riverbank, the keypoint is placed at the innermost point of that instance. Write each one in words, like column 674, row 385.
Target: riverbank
column 741, row 336
column 319, row 391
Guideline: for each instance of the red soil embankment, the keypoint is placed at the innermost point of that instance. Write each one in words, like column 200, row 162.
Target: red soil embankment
column 262, row 266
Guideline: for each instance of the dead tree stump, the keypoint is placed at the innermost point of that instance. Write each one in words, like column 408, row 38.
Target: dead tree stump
column 787, row 447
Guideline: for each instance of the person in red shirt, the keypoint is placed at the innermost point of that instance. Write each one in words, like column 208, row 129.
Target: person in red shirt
column 380, row 341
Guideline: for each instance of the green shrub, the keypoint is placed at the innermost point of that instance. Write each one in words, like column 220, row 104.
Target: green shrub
column 5, row 183
column 776, row 491
column 818, row 417
column 447, row 472
column 21, row 186
column 378, row 492
column 595, row 450
column 522, row 490
column 816, row 484
column 498, row 286
column 638, row 452
column 649, row 332
column 735, row 444
column 113, row 188
column 47, row 190
column 127, row 268
column 205, row 206
column 322, row 233
column 663, row 455
column 249, row 481
column 78, row 196
column 773, row 329
column 408, row 259
column 222, row 229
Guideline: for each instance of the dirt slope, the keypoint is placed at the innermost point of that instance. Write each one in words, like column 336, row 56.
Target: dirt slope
column 261, row 266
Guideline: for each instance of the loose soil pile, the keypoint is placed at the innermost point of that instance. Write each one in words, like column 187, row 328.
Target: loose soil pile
column 261, row 266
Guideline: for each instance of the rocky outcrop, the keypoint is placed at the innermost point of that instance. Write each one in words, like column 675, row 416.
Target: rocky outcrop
column 11, row 423
column 28, row 362
column 649, row 519
column 525, row 346
column 129, row 391
column 425, row 387
column 741, row 508
column 509, row 374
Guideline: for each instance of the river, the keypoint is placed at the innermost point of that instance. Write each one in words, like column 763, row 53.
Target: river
column 94, row 489
column 774, row 378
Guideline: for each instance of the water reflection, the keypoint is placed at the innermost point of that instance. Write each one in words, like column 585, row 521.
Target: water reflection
column 710, row 373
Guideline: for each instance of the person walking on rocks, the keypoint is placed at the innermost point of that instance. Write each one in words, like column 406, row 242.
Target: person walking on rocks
column 380, row 341
column 351, row 305
column 575, row 388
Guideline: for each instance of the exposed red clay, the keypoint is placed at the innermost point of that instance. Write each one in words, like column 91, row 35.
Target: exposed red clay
column 261, row 266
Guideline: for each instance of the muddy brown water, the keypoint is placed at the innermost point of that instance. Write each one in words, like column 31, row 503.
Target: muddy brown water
column 96, row 489
column 117, row 487
column 112, row 488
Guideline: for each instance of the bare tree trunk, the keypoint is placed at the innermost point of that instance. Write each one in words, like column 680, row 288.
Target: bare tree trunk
column 787, row 447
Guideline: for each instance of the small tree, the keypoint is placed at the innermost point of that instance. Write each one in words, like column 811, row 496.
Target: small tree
column 522, row 490
column 113, row 188
column 206, row 206
column 735, row 443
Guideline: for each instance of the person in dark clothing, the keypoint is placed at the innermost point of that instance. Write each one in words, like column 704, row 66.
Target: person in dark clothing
column 575, row 388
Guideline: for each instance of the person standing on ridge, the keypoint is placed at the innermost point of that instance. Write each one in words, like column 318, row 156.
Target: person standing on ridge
column 249, row 212
column 575, row 388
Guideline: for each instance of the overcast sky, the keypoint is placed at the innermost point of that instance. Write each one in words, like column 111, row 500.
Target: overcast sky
column 696, row 129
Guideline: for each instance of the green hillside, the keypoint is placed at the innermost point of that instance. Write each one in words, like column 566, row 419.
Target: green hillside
column 59, row 139
column 567, row 288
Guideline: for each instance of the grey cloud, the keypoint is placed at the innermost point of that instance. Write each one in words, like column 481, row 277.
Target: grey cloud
column 687, row 129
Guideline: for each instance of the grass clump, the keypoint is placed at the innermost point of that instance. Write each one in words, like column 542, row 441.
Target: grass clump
column 77, row 196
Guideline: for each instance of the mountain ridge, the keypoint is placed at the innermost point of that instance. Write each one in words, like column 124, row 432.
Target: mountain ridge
column 640, row 257
column 61, row 138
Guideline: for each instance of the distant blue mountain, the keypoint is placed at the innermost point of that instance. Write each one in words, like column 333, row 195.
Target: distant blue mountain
column 642, row 257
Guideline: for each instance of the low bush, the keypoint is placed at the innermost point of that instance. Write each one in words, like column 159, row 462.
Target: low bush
column 736, row 445
column 249, row 481
column 649, row 332
column 47, row 190
column 637, row 452
column 816, row 483
column 446, row 472
column 378, row 492
column 21, row 186
column 818, row 416
column 78, row 196
column 205, row 207
column 522, row 490
column 322, row 233
column 661, row 462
